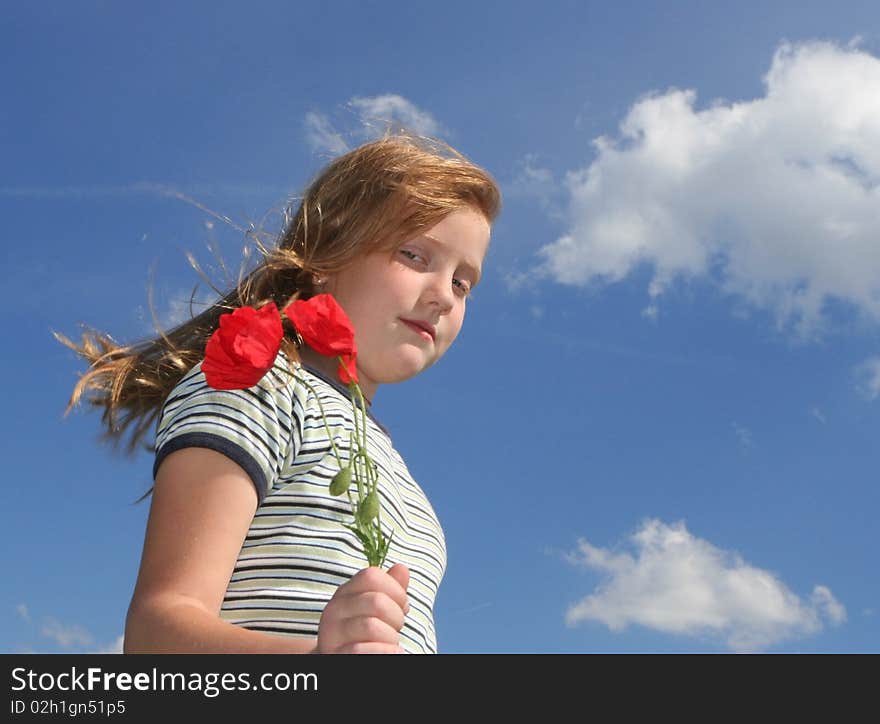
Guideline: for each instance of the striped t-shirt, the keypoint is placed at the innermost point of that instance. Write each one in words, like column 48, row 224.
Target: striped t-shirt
column 297, row 551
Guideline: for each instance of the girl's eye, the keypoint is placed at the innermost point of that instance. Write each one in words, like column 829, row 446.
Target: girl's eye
column 463, row 287
column 411, row 255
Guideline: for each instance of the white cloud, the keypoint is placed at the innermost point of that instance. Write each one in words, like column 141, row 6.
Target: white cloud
column 777, row 199
column 517, row 280
column 73, row 637
column 375, row 115
column 533, row 181
column 677, row 583
column 868, row 378
column 175, row 309
column 394, row 110
column 743, row 434
column 818, row 414
column 113, row 648
column 184, row 305
column 474, row 609
column 322, row 136
column 855, row 41
column 67, row 637
column 823, row 600
column 178, row 311
column 23, row 612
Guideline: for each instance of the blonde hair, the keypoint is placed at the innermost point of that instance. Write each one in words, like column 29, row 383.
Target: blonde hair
column 373, row 198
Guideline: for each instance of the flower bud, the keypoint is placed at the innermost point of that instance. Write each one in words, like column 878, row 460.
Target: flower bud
column 369, row 509
column 341, row 481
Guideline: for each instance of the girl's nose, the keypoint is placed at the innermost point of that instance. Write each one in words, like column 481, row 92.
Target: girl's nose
column 439, row 292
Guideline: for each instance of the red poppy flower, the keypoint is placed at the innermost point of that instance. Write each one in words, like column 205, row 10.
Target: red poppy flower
column 348, row 369
column 243, row 348
column 326, row 328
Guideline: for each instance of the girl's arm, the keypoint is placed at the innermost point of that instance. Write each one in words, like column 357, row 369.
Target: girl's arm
column 203, row 504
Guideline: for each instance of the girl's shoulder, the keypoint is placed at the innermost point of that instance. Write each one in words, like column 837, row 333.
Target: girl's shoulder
column 277, row 395
column 291, row 387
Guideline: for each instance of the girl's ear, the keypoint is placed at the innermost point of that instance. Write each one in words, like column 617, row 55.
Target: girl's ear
column 325, row 284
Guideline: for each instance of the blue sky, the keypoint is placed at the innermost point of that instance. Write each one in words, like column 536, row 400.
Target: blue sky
column 654, row 433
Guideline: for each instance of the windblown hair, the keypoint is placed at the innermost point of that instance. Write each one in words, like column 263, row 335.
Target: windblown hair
column 373, row 198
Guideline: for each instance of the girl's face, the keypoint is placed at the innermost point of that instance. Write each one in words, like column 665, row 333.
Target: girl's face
column 407, row 309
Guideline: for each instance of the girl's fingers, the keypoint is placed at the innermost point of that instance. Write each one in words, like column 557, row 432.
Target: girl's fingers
column 373, row 605
column 378, row 581
column 366, row 613
column 400, row 573
column 353, row 634
column 368, row 629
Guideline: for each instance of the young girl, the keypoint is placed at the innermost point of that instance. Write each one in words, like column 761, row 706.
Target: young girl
column 245, row 549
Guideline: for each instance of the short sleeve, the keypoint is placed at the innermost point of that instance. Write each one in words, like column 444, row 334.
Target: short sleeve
column 258, row 428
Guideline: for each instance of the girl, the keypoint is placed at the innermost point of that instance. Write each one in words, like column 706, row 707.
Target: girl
column 245, row 550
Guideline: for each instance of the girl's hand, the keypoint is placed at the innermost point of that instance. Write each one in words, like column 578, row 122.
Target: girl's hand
column 366, row 614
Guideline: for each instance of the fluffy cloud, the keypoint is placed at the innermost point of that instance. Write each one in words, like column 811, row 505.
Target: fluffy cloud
column 677, row 583
column 178, row 307
column 67, row 637
column 394, row 109
column 868, row 378
column 322, row 136
column 743, row 434
column 71, row 638
column 375, row 115
column 113, row 648
column 776, row 199
column 536, row 182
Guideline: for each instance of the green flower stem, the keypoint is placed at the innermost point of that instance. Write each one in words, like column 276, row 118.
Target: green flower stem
column 320, row 407
column 351, row 462
column 357, row 389
column 377, row 546
column 372, row 476
column 358, row 475
column 364, row 470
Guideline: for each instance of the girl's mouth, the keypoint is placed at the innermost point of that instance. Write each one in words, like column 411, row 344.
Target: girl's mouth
column 421, row 331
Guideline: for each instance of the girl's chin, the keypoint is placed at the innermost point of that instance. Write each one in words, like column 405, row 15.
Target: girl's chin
column 404, row 368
